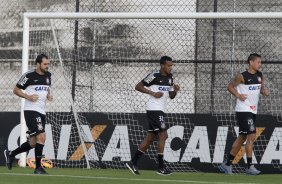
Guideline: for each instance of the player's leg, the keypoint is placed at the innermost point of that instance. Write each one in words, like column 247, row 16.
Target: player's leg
column 10, row 155
column 143, row 147
column 162, row 138
column 162, row 169
column 249, row 147
column 26, row 146
column 151, row 135
column 132, row 166
column 251, row 137
column 40, row 141
column 251, row 170
column 236, row 146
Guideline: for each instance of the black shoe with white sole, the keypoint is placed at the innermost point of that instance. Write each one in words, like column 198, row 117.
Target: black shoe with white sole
column 133, row 168
column 9, row 159
column 39, row 170
column 164, row 171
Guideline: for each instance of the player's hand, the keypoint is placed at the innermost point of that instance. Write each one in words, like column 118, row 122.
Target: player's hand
column 49, row 97
column 33, row 97
column 176, row 87
column 265, row 91
column 158, row 94
column 242, row 97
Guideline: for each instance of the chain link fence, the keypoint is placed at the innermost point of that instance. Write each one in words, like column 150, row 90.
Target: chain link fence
column 215, row 47
column 104, row 59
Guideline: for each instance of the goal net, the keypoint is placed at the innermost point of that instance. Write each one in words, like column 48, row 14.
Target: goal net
column 97, row 115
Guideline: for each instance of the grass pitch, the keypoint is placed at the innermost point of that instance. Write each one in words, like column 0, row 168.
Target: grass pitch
column 110, row 176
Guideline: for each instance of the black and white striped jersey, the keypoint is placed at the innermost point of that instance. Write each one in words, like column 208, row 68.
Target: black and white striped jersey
column 34, row 83
column 251, row 88
column 158, row 83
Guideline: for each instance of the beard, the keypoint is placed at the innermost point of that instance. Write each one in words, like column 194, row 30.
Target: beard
column 43, row 70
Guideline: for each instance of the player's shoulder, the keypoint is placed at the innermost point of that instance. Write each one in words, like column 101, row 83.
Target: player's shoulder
column 48, row 74
column 170, row 75
column 150, row 77
column 259, row 73
column 29, row 73
column 158, row 74
column 153, row 75
column 245, row 72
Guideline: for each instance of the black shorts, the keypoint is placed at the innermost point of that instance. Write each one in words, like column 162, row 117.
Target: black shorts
column 35, row 122
column 247, row 122
column 156, row 121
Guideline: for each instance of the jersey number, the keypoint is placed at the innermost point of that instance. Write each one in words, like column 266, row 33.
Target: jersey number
column 38, row 120
column 161, row 118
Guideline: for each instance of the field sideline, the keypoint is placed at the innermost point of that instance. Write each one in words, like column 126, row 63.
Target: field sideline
column 109, row 176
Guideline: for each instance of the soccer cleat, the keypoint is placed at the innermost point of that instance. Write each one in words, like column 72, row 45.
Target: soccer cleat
column 9, row 159
column 164, row 171
column 39, row 170
column 133, row 168
column 225, row 168
column 252, row 171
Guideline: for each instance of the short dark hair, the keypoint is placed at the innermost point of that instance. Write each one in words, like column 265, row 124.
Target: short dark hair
column 40, row 57
column 252, row 57
column 164, row 59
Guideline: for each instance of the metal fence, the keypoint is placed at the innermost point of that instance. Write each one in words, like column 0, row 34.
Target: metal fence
column 211, row 52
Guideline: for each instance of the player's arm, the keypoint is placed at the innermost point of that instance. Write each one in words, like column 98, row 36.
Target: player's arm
column 264, row 90
column 49, row 95
column 173, row 93
column 141, row 88
column 17, row 91
column 232, row 87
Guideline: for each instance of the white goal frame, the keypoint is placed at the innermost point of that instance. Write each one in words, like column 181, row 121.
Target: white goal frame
column 118, row 15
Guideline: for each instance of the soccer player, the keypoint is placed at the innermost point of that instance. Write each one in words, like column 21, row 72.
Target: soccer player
column 246, row 87
column 36, row 84
column 159, row 86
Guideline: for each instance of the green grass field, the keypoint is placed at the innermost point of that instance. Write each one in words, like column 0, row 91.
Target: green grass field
column 109, row 176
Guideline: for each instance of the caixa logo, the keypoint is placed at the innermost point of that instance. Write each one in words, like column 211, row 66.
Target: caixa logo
column 254, row 88
column 162, row 88
column 41, row 88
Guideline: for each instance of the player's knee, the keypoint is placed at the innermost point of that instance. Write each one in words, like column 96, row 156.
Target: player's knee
column 150, row 140
column 244, row 138
column 32, row 143
column 163, row 136
column 41, row 138
column 41, row 141
column 251, row 138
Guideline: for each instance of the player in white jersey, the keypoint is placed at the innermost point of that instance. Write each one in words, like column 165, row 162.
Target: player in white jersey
column 36, row 84
column 159, row 86
column 246, row 87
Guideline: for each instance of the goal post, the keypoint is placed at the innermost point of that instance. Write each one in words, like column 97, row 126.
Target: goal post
column 107, row 76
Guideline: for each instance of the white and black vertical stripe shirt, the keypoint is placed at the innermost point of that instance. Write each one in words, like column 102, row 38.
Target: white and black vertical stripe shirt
column 251, row 88
column 158, row 83
column 34, row 83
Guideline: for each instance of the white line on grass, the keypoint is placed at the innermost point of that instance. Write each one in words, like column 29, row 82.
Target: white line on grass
column 128, row 179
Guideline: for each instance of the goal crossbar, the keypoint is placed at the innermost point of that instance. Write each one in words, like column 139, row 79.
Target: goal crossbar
column 132, row 15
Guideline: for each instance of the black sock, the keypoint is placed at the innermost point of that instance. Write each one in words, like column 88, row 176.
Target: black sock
column 249, row 161
column 38, row 154
column 230, row 159
column 136, row 157
column 161, row 160
column 22, row 148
